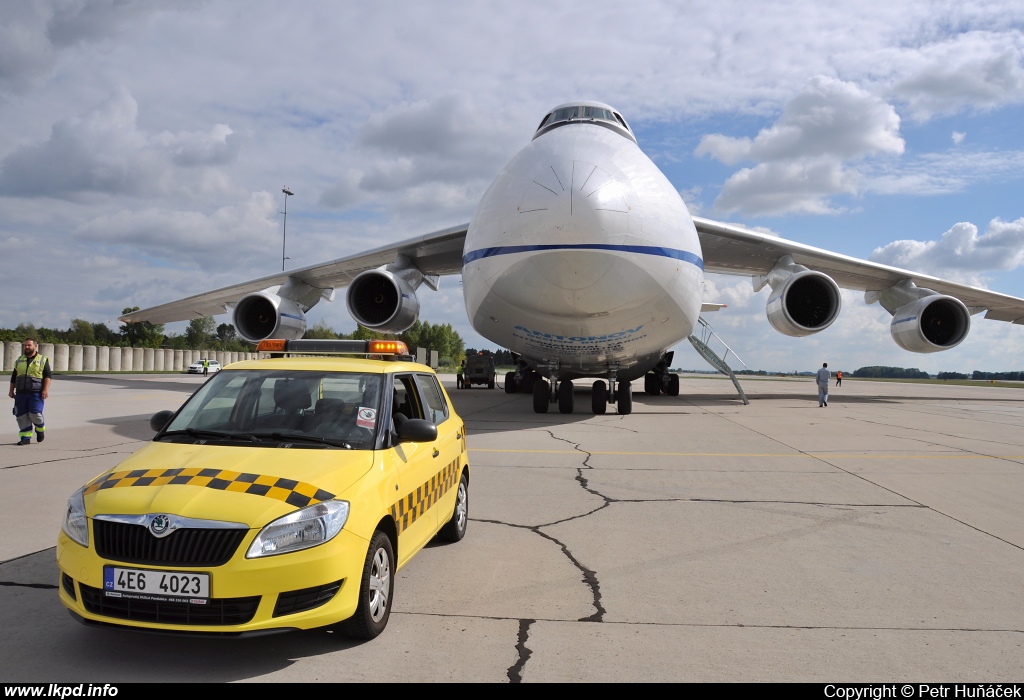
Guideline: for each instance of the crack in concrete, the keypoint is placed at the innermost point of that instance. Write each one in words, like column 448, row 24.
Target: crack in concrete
column 721, row 625
column 515, row 671
column 62, row 459
column 589, row 577
column 45, row 586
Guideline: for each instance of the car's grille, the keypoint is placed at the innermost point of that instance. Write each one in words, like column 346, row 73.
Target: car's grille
column 68, row 584
column 305, row 599
column 216, row 611
column 185, row 547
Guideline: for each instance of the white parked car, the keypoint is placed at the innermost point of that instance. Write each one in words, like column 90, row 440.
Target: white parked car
column 197, row 367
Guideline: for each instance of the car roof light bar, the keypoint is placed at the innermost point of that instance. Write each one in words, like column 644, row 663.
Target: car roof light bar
column 391, row 349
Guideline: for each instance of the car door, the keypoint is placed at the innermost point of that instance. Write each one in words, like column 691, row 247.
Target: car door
column 448, row 445
column 418, row 465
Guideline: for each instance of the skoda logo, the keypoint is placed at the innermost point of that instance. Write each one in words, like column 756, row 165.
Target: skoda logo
column 159, row 525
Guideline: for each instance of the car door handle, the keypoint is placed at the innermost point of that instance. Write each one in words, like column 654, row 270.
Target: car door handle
column 436, row 452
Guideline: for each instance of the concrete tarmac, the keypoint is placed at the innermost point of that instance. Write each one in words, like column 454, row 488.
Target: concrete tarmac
column 698, row 539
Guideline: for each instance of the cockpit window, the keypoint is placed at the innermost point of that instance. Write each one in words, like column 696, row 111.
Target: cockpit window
column 583, row 113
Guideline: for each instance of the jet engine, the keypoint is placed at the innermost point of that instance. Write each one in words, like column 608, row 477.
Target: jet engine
column 266, row 315
column 803, row 301
column 383, row 300
column 930, row 324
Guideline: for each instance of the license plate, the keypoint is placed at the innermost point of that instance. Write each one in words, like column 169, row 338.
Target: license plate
column 148, row 584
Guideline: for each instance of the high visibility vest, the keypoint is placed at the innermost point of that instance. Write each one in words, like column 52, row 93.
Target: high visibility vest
column 29, row 373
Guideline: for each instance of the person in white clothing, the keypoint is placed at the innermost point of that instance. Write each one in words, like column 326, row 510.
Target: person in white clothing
column 822, row 378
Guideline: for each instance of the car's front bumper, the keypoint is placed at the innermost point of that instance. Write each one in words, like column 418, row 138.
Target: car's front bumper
column 237, row 588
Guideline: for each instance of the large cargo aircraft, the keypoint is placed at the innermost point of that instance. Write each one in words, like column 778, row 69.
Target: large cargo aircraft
column 583, row 260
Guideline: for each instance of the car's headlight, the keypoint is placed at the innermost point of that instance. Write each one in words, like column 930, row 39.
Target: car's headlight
column 302, row 529
column 76, row 525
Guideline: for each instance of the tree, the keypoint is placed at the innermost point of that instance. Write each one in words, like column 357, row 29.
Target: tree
column 321, row 331
column 443, row 338
column 142, row 334
column 200, row 331
column 102, row 335
column 225, row 333
column 81, row 332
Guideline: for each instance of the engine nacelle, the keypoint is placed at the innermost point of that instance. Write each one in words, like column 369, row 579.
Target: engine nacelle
column 265, row 315
column 930, row 324
column 803, row 303
column 382, row 300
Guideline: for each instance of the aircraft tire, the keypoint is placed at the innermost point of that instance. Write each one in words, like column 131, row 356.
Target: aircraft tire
column 510, row 383
column 624, row 399
column 651, row 387
column 673, row 385
column 565, row 397
column 540, row 396
column 529, row 379
column 599, row 398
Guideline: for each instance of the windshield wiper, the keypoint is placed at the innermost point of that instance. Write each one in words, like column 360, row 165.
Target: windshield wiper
column 298, row 437
column 199, row 432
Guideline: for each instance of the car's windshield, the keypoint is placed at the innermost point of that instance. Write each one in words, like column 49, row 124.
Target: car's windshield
column 335, row 409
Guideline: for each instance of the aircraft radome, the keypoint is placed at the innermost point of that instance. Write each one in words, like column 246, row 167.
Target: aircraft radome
column 582, row 259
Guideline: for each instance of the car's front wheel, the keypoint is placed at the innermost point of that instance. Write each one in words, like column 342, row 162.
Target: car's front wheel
column 376, row 590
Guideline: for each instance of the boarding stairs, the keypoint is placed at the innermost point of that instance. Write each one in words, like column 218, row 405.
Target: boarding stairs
column 701, row 341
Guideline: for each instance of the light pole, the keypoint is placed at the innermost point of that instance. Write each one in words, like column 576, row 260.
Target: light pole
column 284, row 225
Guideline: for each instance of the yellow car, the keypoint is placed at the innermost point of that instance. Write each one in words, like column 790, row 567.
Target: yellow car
column 284, row 494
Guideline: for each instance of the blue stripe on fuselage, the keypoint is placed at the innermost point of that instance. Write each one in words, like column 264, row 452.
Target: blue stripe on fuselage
column 683, row 255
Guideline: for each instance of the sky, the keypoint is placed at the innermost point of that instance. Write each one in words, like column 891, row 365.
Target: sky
column 145, row 144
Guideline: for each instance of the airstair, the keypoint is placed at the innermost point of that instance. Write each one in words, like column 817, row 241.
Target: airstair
column 701, row 341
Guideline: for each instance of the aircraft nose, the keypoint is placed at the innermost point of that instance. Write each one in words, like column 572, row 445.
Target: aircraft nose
column 574, row 202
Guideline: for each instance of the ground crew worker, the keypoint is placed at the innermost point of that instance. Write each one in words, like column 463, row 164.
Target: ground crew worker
column 30, row 385
column 206, row 366
column 821, row 379
column 839, row 378
column 460, row 378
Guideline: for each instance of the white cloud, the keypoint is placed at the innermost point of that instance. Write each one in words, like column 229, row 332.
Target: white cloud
column 32, row 33
column 802, row 185
column 974, row 69
column 828, row 118
column 104, row 152
column 802, row 153
column 439, row 154
column 958, row 137
column 960, row 250
column 243, row 231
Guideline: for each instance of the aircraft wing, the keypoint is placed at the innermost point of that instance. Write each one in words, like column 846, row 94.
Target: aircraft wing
column 736, row 250
column 438, row 253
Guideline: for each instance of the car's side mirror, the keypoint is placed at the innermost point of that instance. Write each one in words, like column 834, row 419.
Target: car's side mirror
column 417, row 430
column 160, row 420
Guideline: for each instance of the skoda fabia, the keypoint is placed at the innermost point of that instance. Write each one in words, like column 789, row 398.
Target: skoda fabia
column 284, row 494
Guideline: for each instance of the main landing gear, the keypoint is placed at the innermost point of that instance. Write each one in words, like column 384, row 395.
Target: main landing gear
column 660, row 381
column 546, row 393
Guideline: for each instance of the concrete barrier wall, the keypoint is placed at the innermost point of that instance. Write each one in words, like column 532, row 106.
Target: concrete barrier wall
column 101, row 358
column 75, row 358
column 89, row 358
column 12, row 351
column 59, row 358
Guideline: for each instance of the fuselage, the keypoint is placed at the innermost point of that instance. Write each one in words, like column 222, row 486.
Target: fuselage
column 582, row 257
